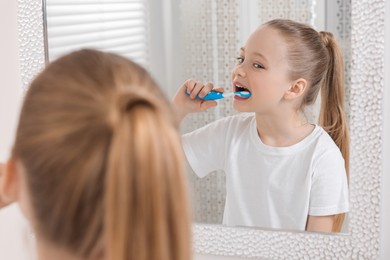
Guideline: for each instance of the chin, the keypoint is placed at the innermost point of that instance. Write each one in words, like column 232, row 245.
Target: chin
column 241, row 108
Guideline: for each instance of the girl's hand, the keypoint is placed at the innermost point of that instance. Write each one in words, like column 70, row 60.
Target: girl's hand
column 185, row 104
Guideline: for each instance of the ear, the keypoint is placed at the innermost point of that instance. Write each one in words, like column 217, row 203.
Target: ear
column 296, row 89
column 9, row 182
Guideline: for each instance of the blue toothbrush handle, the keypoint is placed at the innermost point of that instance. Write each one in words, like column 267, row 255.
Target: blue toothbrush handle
column 212, row 95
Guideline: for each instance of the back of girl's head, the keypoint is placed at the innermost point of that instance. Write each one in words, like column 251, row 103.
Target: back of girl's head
column 316, row 57
column 103, row 160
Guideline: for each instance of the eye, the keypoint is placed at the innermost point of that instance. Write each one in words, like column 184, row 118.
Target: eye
column 258, row 66
column 240, row 60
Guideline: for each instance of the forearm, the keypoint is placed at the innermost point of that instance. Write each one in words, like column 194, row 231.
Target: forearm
column 180, row 114
column 320, row 224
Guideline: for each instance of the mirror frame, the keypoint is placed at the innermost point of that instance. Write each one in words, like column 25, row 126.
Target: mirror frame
column 366, row 121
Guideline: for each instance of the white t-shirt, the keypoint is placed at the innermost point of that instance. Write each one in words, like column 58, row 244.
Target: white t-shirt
column 270, row 187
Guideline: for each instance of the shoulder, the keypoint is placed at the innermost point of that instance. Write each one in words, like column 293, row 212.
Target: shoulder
column 327, row 155
column 326, row 151
column 325, row 143
column 325, row 138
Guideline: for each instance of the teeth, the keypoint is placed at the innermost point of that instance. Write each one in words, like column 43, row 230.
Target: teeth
column 238, row 86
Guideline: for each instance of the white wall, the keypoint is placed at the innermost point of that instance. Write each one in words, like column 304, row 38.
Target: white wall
column 14, row 232
column 385, row 207
column 10, row 81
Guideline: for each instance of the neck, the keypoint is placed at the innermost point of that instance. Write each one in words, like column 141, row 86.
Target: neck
column 48, row 251
column 282, row 128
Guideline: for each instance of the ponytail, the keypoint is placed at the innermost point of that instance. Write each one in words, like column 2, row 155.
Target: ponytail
column 103, row 161
column 332, row 116
column 144, row 202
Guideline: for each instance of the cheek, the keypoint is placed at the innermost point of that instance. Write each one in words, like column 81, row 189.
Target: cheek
column 263, row 88
column 269, row 87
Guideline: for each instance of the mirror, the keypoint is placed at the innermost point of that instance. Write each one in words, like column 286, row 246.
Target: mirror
column 366, row 125
column 212, row 43
column 211, row 33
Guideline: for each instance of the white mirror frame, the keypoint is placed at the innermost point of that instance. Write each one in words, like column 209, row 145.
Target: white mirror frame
column 366, row 104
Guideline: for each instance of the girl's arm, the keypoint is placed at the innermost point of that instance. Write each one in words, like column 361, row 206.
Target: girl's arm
column 329, row 193
column 320, row 224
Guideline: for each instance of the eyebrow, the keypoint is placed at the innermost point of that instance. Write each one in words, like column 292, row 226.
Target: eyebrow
column 255, row 53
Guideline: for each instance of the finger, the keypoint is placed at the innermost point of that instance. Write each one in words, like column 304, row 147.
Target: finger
column 189, row 85
column 206, row 89
column 195, row 91
column 219, row 89
column 206, row 104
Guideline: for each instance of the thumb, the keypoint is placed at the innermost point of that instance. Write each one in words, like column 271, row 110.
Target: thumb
column 221, row 89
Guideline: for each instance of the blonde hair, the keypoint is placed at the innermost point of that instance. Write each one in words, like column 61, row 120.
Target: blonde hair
column 316, row 57
column 103, row 160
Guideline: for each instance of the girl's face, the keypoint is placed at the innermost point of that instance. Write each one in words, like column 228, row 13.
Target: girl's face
column 262, row 69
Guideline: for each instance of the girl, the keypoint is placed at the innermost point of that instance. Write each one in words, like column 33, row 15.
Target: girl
column 282, row 172
column 88, row 168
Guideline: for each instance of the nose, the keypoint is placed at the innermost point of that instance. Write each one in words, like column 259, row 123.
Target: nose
column 238, row 70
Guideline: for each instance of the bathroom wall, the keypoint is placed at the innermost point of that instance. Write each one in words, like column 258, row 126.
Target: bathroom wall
column 13, row 227
column 385, row 207
column 10, row 81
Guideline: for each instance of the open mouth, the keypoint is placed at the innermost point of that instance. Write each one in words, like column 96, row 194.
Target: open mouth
column 238, row 87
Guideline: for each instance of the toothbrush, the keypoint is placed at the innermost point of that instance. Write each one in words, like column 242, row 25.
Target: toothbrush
column 214, row 95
